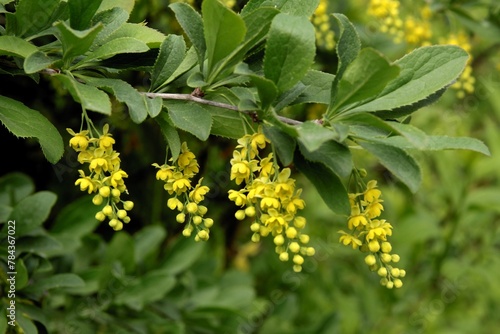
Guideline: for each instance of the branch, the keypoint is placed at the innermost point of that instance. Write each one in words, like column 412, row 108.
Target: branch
column 189, row 97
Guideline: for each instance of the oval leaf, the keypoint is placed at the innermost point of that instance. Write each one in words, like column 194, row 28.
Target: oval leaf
column 28, row 123
column 290, row 50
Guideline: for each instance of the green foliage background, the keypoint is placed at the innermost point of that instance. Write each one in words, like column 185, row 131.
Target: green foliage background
column 147, row 279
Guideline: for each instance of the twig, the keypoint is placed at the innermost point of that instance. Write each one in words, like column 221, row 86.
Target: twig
column 189, row 97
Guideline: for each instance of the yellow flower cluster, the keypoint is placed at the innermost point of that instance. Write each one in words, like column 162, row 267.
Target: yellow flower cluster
column 466, row 81
column 387, row 12
column 186, row 197
column 417, row 32
column 105, row 177
column 325, row 36
column 269, row 197
column 370, row 235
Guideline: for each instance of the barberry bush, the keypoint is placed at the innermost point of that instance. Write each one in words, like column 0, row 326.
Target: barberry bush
column 245, row 166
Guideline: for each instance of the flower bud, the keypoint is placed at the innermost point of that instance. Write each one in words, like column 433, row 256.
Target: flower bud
column 240, row 214
column 284, row 256
column 128, row 205
column 370, row 260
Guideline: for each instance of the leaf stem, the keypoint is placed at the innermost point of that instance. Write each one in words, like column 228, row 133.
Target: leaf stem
column 189, row 97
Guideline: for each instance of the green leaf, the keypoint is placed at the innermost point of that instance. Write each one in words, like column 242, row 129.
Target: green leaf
column 437, row 143
column 368, row 122
column 147, row 240
column 149, row 288
column 408, row 109
column 170, row 133
column 112, row 20
column 38, row 61
column 28, row 123
column 74, row 220
column 90, row 97
column 33, row 16
column 266, row 89
column 14, row 187
column 226, row 123
column 26, row 325
column 364, row 78
column 39, row 244
column 22, row 274
column 153, row 105
column 298, row 7
column 397, row 161
column 16, row 47
column 182, row 255
column 124, row 93
column 192, row 24
column 288, row 97
column 424, row 72
column 121, row 249
column 81, row 13
column 32, row 211
column 293, row 7
column 327, row 183
column 283, row 143
column 75, row 42
column 224, row 30
column 312, row 135
column 290, row 50
column 54, row 282
column 170, row 57
column 347, row 47
column 127, row 5
column 187, row 63
column 153, row 38
column 258, row 24
column 317, row 88
column 190, row 117
column 334, row 155
column 114, row 47
column 32, row 312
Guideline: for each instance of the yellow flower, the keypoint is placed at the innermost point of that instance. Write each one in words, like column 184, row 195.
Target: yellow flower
column 185, row 157
column 165, row 173
column 237, row 197
column 356, row 221
column 349, row 239
column 267, row 166
column 257, row 141
column 284, row 186
column 86, row 183
column 269, row 203
column 374, row 209
column 181, row 184
column 80, row 140
column 275, row 221
column 198, row 193
column 117, row 178
column 99, row 163
column 106, row 141
column 371, row 193
column 241, row 168
column 295, row 203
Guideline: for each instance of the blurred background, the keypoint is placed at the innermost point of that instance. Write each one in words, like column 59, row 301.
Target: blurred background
column 447, row 234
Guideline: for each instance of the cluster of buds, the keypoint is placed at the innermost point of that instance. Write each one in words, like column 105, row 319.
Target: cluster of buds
column 270, row 199
column 325, row 37
column 370, row 235
column 186, row 198
column 105, row 178
column 387, row 12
